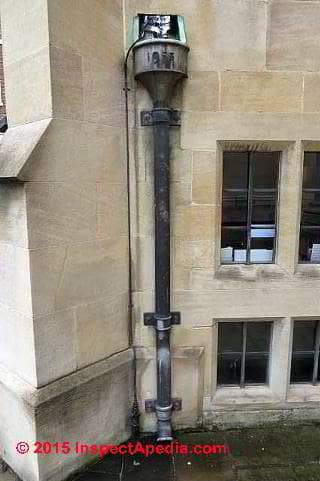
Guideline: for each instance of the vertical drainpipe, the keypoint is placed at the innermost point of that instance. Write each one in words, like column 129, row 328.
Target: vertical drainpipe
column 160, row 63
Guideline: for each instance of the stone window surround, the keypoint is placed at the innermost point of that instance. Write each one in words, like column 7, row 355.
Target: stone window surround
column 291, row 157
column 272, row 392
column 279, row 390
column 302, row 392
column 305, row 269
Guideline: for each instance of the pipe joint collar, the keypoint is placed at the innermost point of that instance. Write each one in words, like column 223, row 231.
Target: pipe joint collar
column 164, row 413
column 163, row 323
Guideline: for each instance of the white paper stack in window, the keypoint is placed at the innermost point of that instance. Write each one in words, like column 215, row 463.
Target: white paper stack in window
column 226, row 254
column 262, row 233
column 261, row 255
column 315, row 253
column 240, row 255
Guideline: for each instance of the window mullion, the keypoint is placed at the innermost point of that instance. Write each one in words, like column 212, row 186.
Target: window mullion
column 243, row 357
column 249, row 207
column 316, row 354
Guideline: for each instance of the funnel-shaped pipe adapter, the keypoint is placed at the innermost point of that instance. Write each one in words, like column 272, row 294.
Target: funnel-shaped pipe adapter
column 159, row 64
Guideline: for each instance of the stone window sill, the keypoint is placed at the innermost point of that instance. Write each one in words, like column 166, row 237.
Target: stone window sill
column 234, row 395
column 251, row 272
column 308, row 271
column 298, row 393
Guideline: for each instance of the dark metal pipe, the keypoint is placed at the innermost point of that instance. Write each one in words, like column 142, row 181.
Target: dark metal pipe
column 161, row 125
column 160, row 63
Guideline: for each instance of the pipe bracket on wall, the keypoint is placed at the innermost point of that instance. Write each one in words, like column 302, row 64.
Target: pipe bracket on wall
column 157, row 321
column 151, row 405
column 150, row 117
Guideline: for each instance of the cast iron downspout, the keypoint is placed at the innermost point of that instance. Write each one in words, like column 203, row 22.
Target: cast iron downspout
column 159, row 64
column 162, row 319
column 163, row 407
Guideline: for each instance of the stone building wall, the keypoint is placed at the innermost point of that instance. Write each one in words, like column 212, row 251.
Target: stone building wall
column 2, row 92
column 65, row 361
column 253, row 84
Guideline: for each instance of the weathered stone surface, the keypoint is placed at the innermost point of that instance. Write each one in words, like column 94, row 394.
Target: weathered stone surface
column 64, row 277
column 144, row 224
column 17, row 427
column 193, row 253
column 202, row 130
column 180, row 194
column 112, row 212
column 13, row 216
column 101, row 329
column 100, row 395
column 201, row 91
column 311, row 98
column 51, row 223
column 101, row 20
column 29, row 76
column 195, row 222
column 66, row 84
column 15, row 291
column 23, row 363
column 17, row 145
column 293, row 31
column 143, row 268
column 261, row 91
column 30, row 19
column 72, row 151
column 289, row 209
column 239, row 35
column 55, row 338
column 201, row 307
column 181, row 278
column 103, row 96
column 64, row 246
column 204, row 180
column 181, row 165
column 187, row 361
column 198, row 338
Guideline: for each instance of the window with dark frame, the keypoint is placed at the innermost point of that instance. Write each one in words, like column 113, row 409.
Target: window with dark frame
column 309, row 245
column 305, row 352
column 249, row 207
column 243, row 353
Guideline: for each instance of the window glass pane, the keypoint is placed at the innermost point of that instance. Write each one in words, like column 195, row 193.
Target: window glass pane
column 301, row 367
column 235, row 170
column 258, row 336
column 230, row 336
column 304, row 335
column 234, row 208
column 229, row 368
column 265, row 170
column 233, row 245
column 264, row 207
column 256, row 369
column 230, row 352
column 310, row 214
column 262, row 196
column 309, row 247
column 311, row 170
